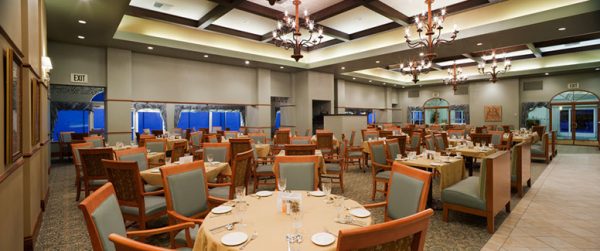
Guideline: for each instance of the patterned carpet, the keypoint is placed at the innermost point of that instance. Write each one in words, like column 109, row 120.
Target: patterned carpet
column 63, row 227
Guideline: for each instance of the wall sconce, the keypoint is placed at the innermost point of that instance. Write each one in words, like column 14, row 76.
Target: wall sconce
column 46, row 67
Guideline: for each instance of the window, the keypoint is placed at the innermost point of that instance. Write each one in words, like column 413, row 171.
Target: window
column 458, row 117
column 193, row 119
column 98, row 118
column 71, row 121
column 277, row 119
column 227, row 119
column 416, row 117
column 371, row 118
column 149, row 119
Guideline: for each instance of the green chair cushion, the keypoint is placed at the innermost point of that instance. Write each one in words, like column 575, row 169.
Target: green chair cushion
column 465, row 193
column 140, row 158
column 405, row 195
column 414, row 142
column 355, row 154
column 98, row 182
column 265, row 169
column 299, row 175
column 180, row 236
column 300, row 142
column 383, row 175
column 188, row 192
column 108, row 220
column 496, row 139
column 219, row 153
column 537, row 149
column 334, row 167
column 155, row 147
column 154, row 204
column 394, row 149
column 379, row 154
column 219, row 192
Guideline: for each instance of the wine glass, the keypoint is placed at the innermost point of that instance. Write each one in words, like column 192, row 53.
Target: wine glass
column 297, row 222
column 281, row 184
column 338, row 203
column 240, row 209
column 210, row 158
column 240, row 192
column 326, row 186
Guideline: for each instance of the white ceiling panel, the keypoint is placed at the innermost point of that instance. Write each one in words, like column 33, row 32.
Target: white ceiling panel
column 355, row 20
column 192, row 9
column 248, row 22
column 413, row 7
column 311, row 6
column 570, row 45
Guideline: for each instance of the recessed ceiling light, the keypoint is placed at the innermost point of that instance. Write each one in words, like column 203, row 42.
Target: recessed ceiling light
column 383, row 83
column 82, row 21
column 205, row 56
column 562, row 28
column 598, row 69
column 402, row 87
column 150, row 48
column 281, row 67
column 370, row 81
column 247, row 62
column 479, row 44
column 546, row 74
column 377, row 62
column 421, row 54
column 81, row 37
column 343, row 68
column 355, row 78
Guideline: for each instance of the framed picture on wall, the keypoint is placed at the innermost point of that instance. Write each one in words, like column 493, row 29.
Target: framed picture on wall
column 35, row 111
column 492, row 113
column 13, row 114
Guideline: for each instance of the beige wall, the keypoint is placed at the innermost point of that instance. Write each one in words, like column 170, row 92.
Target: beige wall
column 23, row 184
column 70, row 58
column 505, row 92
column 553, row 85
column 364, row 96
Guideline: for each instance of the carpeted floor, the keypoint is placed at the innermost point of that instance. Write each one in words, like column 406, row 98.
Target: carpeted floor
column 63, row 227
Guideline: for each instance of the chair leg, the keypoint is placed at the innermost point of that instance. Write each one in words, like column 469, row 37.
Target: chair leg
column 520, row 190
column 374, row 189
column 445, row 213
column 342, row 182
column 78, row 190
column 529, row 182
column 490, row 223
column 507, row 207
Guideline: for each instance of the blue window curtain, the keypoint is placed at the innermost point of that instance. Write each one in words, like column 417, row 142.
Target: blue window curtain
column 233, row 120
column 160, row 108
column 71, row 120
column 193, row 119
column 371, row 118
column 277, row 119
column 98, row 118
column 198, row 116
column 149, row 119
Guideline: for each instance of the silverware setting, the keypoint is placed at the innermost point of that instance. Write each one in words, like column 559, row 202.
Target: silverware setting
column 228, row 226
column 329, row 232
column 351, row 222
column 253, row 237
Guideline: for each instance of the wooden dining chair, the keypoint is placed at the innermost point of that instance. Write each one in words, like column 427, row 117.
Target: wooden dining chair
column 188, row 200
column 240, row 176
column 457, row 133
column 230, row 134
column 282, row 137
column 77, row 163
column 385, row 133
column 258, row 137
column 521, row 167
column 103, row 217
column 325, row 144
column 440, row 143
column 140, row 156
column 300, row 172
column 64, row 142
column 392, row 149
column 430, row 143
column 94, row 174
column 415, row 142
column 156, row 145
column 351, row 154
column 143, row 137
column 380, row 171
column 98, row 141
column 195, row 141
column 300, row 140
column 179, row 150
column 482, row 138
column 262, row 171
column 220, row 152
column 211, row 138
column 352, row 138
column 240, row 145
column 157, row 133
column 293, row 150
column 136, row 204
column 390, row 235
column 126, row 244
column 369, row 134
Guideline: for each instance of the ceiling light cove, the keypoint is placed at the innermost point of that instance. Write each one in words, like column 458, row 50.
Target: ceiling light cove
column 81, row 37
column 150, row 48
column 82, row 21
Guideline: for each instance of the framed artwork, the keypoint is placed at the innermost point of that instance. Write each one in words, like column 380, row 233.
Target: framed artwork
column 35, row 111
column 492, row 113
column 13, row 114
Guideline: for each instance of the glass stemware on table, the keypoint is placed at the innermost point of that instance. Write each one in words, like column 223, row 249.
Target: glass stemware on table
column 210, row 159
column 326, row 188
column 281, row 184
column 241, row 205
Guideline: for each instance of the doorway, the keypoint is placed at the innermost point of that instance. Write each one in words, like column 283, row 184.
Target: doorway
column 320, row 109
column 574, row 116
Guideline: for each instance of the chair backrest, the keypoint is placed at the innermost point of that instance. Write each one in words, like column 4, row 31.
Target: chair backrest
column 177, row 131
column 497, row 137
column 490, row 128
column 506, row 128
column 407, row 191
column 79, row 135
column 66, row 137
column 401, row 144
column 98, row 141
column 369, row 134
column 494, row 181
column 102, row 217
column 481, row 129
column 325, row 141
column 258, row 137
column 352, row 137
column 457, row 133
column 186, row 188
column 239, row 145
column 75, row 150
column 300, row 140
column 282, row 137
column 293, row 150
column 138, row 154
column 301, row 172
column 178, row 150
column 125, row 244
column 230, row 134
column 482, row 138
column 125, row 177
column 415, row 141
column 143, row 137
column 539, row 129
column 392, row 148
column 91, row 162
column 388, row 235
column 196, row 138
column 440, row 143
column 240, row 170
column 157, row 132
column 429, row 143
column 378, row 155
column 210, row 138
column 147, row 131
column 385, row 133
column 156, row 145
column 221, row 152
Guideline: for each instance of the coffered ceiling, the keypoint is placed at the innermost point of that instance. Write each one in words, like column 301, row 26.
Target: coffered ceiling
column 363, row 38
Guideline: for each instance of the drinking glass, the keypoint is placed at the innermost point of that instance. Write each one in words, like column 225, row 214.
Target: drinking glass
column 338, row 203
column 326, row 186
column 281, row 184
column 240, row 209
column 240, row 192
column 297, row 222
column 210, row 158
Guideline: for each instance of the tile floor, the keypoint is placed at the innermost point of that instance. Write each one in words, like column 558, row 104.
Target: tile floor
column 560, row 212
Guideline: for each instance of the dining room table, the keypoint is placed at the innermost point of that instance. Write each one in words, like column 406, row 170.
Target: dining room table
column 171, row 142
column 261, row 217
column 318, row 153
column 336, row 142
column 153, row 176
column 472, row 153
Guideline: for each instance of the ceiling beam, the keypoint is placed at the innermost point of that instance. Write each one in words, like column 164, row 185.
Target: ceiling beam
column 387, row 11
column 233, row 32
column 534, row 50
column 376, row 29
column 337, row 8
column 217, row 12
column 476, row 59
column 155, row 15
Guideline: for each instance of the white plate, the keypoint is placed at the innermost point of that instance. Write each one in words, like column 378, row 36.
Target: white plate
column 234, row 239
column 264, row 193
column 155, row 170
column 323, row 239
column 316, row 193
column 360, row 212
column 221, row 209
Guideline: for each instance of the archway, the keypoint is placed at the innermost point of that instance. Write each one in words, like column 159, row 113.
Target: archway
column 437, row 111
column 574, row 116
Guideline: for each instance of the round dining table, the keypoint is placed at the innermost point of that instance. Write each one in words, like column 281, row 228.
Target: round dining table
column 270, row 226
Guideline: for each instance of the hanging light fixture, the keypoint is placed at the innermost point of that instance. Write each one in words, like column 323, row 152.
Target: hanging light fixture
column 415, row 68
column 455, row 76
column 494, row 71
column 290, row 24
column 430, row 30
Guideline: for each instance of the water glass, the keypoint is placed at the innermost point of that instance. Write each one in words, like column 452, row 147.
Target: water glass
column 338, row 203
column 240, row 210
column 240, row 192
column 326, row 186
column 281, row 184
column 210, row 158
column 297, row 222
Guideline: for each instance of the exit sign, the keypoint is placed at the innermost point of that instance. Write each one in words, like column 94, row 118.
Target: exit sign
column 79, row 78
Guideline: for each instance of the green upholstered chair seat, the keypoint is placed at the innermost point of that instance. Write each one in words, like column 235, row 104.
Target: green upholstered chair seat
column 496, row 139
column 405, row 195
column 155, row 146
column 414, row 142
column 97, row 142
column 299, row 175
column 219, row 192
column 264, row 169
column 153, row 204
column 326, row 150
column 184, row 249
column 355, row 154
column 180, row 237
column 98, row 182
column 188, row 192
column 379, row 154
column 140, row 158
column 383, row 175
column 465, row 193
column 219, row 153
column 537, row 149
column 300, row 142
column 333, row 167
column 151, row 188
column 108, row 221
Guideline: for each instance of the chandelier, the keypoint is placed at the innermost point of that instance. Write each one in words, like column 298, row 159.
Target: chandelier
column 494, row 71
column 455, row 76
column 292, row 25
column 430, row 29
column 415, row 68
